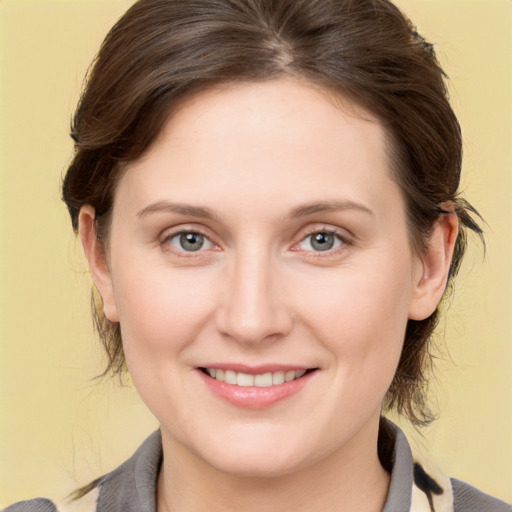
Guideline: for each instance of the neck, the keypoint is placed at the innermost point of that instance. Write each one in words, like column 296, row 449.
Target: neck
column 351, row 479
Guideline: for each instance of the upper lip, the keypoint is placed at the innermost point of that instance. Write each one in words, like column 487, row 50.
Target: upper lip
column 257, row 369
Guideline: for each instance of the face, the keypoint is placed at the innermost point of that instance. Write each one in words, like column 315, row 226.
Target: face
column 260, row 268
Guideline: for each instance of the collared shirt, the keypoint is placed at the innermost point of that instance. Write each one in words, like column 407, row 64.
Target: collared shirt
column 132, row 486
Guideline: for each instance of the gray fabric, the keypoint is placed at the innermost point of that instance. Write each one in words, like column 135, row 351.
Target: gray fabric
column 132, row 486
column 36, row 505
column 468, row 499
column 400, row 486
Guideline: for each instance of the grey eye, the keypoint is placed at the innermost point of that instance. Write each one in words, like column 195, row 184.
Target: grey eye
column 320, row 242
column 190, row 241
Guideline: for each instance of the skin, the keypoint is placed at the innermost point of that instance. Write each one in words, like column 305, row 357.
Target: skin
column 255, row 156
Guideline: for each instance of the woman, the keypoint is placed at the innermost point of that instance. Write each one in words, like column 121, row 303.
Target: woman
column 266, row 193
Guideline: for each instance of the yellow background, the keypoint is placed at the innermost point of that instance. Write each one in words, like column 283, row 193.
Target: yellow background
column 59, row 428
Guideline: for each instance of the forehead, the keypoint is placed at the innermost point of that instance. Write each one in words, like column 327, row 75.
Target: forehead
column 231, row 109
column 280, row 140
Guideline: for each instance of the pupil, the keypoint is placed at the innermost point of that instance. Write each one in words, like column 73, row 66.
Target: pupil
column 191, row 241
column 322, row 241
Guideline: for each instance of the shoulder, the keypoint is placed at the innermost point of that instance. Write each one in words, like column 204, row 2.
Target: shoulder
column 129, row 488
column 417, row 484
column 469, row 499
column 85, row 504
column 132, row 486
column 35, row 505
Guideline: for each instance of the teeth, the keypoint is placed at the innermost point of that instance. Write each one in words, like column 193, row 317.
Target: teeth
column 277, row 378
column 229, row 377
column 288, row 376
column 262, row 380
column 243, row 379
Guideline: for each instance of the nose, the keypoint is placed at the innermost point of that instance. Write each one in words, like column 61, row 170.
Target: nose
column 252, row 309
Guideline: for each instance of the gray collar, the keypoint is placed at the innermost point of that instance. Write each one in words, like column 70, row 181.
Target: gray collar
column 400, row 487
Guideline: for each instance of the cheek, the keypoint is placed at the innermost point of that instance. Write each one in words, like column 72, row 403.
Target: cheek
column 161, row 315
column 360, row 316
column 160, row 309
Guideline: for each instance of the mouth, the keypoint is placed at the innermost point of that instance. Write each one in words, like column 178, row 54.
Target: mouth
column 260, row 380
column 255, row 388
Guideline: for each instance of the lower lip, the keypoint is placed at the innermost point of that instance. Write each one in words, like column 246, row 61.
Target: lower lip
column 253, row 397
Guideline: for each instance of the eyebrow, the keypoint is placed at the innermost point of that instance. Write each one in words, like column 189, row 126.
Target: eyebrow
column 330, row 206
column 182, row 209
column 206, row 213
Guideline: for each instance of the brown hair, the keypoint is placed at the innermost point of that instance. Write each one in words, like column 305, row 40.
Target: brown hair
column 162, row 51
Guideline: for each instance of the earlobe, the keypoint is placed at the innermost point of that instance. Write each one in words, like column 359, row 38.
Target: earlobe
column 434, row 266
column 96, row 260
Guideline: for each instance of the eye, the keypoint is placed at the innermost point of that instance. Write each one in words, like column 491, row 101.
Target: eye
column 320, row 241
column 189, row 241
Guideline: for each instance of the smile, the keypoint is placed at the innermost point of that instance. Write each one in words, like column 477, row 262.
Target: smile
column 262, row 388
column 261, row 380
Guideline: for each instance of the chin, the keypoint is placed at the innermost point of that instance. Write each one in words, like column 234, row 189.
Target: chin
column 257, row 467
column 260, row 459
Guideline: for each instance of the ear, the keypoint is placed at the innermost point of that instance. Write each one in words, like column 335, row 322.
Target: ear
column 97, row 261
column 434, row 265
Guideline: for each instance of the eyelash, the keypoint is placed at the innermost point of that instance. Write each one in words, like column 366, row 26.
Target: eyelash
column 342, row 241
